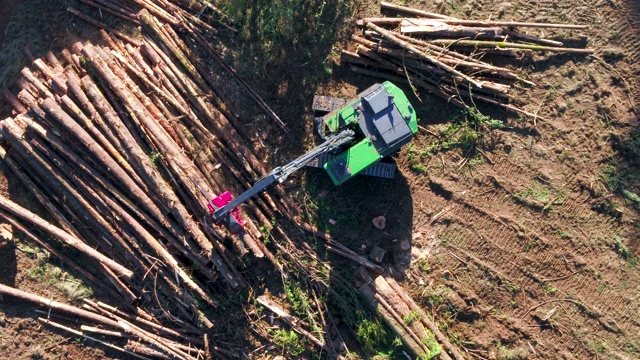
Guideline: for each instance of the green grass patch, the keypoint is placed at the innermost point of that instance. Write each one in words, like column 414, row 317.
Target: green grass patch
column 434, row 348
column 297, row 298
column 289, row 341
column 464, row 132
column 512, row 353
column 549, row 289
column 623, row 251
column 47, row 273
column 540, row 195
column 371, row 334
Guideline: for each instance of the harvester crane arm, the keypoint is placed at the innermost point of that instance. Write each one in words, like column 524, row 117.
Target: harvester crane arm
column 223, row 207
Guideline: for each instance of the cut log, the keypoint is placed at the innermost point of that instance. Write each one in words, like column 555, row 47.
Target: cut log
column 435, row 28
column 426, row 320
column 13, row 101
column 407, row 10
column 405, row 45
column 27, row 216
column 388, row 318
column 79, row 333
column 508, row 46
column 289, row 319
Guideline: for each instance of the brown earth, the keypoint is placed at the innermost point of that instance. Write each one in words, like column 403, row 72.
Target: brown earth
column 534, row 254
column 527, row 252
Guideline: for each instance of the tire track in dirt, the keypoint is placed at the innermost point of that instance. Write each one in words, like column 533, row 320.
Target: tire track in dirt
column 480, row 270
column 598, row 222
column 560, row 249
column 627, row 20
column 496, row 246
column 618, row 17
column 509, row 270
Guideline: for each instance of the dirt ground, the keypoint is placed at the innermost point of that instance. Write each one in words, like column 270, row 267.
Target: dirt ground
column 526, row 249
column 531, row 251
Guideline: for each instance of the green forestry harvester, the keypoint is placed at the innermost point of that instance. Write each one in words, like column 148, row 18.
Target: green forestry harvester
column 357, row 134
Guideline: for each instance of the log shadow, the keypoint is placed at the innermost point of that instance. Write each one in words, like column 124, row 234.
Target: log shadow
column 283, row 50
column 8, row 261
column 347, row 212
column 9, row 268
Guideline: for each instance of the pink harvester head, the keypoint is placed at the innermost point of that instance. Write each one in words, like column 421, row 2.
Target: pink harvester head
column 223, row 199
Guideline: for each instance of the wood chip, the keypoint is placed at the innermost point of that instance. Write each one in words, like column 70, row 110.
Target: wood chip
column 6, row 232
column 377, row 254
column 379, row 222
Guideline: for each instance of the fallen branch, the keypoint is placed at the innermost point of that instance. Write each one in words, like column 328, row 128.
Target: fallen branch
column 289, row 319
column 508, row 45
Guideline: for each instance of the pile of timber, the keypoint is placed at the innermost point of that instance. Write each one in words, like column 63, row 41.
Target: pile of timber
column 122, row 144
column 418, row 332
column 445, row 55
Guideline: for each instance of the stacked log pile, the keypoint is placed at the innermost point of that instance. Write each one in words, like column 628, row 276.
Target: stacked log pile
column 122, row 143
column 446, row 56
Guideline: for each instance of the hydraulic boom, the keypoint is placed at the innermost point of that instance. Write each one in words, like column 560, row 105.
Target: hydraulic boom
column 223, row 207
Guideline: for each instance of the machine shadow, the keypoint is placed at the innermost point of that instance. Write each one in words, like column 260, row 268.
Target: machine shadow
column 346, row 213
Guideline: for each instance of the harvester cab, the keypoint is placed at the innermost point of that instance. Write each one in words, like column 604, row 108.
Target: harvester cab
column 357, row 134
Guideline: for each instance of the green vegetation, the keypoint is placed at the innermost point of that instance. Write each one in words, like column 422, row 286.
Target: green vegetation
column 540, row 195
column 282, row 35
column 464, row 132
column 423, row 265
column 616, row 179
column 455, row 8
column 320, row 206
column 513, row 353
column 549, row 289
column 530, row 245
column 623, row 251
column 437, row 296
column 633, row 346
column 415, row 158
column 45, row 272
column 602, row 287
column 631, row 196
column 375, row 338
column 297, row 299
column 610, row 177
column 512, row 288
column 599, row 346
column 371, row 334
column 411, row 316
column 289, row 341
column 434, row 348
column 154, row 157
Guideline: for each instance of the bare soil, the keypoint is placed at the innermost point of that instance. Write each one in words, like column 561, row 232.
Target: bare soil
column 528, row 251
column 531, row 250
